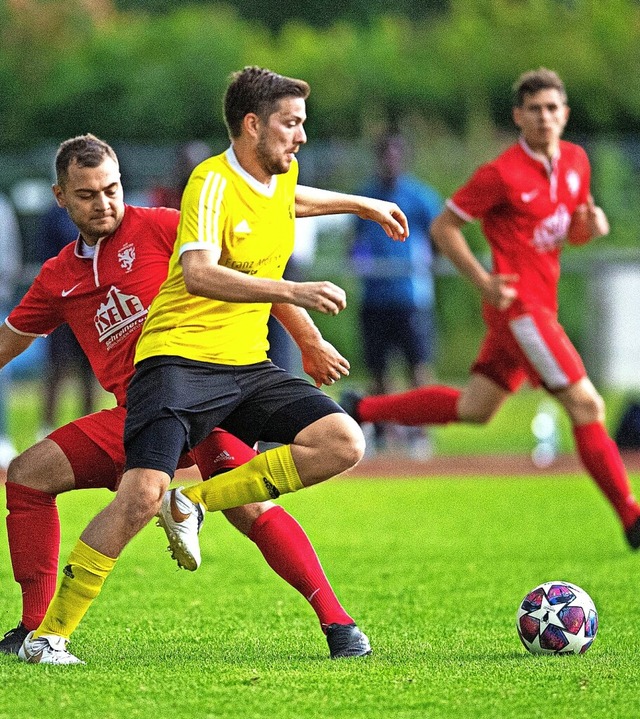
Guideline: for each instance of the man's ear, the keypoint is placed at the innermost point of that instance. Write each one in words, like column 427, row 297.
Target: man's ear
column 516, row 113
column 58, row 193
column 251, row 124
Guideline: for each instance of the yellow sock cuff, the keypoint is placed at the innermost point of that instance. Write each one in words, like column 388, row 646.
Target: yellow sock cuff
column 283, row 469
column 83, row 577
column 264, row 477
column 91, row 559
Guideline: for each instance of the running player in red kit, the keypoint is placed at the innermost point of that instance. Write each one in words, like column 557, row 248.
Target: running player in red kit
column 529, row 200
column 102, row 286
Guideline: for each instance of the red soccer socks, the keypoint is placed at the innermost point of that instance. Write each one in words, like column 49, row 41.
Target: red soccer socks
column 601, row 458
column 288, row 551
column 33, row 529
column 435, row 404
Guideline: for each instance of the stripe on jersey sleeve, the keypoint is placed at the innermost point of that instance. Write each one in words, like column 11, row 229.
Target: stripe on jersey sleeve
column 459, row 211
column 209, row 203
column 20, row 332
column 538, row 353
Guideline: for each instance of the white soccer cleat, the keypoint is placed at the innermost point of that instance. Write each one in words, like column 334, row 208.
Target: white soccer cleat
column 181, row 520
column 47, row 649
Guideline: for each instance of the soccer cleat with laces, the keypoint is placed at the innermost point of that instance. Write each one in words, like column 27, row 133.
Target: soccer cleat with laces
column 347, row 640
column 13, row 639
column 47, row 649
column 181, row 520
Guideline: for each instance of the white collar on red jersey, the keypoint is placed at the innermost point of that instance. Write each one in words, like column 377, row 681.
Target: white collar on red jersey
column 549, row 165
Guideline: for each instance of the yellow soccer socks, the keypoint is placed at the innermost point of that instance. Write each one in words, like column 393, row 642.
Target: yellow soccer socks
column 264, row 477
column 82, row 580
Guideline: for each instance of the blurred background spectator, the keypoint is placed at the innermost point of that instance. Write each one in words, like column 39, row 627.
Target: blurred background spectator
column 10, row 268
column 64, row 356
column 188, row 156
column 397, row 310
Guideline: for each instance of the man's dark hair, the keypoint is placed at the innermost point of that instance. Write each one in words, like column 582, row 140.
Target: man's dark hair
column 535, row 80
column 257, row 90
column 85, row 150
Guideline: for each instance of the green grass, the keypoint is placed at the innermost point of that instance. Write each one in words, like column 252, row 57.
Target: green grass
column 432, row 570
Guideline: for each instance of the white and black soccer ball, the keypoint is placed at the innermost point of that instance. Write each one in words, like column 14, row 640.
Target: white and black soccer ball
column 557, row 618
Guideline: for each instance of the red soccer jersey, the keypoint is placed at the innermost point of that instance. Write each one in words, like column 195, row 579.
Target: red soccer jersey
column 525, row 207
column 104, row 299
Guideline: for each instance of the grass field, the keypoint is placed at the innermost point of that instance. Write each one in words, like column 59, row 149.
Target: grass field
column 508, row 432
column 433, row 570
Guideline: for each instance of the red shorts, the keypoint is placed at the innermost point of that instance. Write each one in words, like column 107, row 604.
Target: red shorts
column 94, row 447
column 533, row 346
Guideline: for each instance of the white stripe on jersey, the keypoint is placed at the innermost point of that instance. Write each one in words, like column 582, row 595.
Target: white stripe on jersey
column 538, row 353
column 210, row 197
column 204, row 192
column 459, row 211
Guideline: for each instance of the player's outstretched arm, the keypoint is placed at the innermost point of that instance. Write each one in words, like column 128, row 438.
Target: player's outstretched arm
column 311, row 201
column 203, row 276
column 446, row 231
column 12, row 344
column 320, row 359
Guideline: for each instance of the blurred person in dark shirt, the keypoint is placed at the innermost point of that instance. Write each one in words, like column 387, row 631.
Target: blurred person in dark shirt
column 65, row 357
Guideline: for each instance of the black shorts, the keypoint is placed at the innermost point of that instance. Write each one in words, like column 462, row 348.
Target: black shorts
column 174, row 403
column 407, row 331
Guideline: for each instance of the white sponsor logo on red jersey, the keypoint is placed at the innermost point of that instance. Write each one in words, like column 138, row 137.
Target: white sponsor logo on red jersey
column 551, row 231
column 118, row 316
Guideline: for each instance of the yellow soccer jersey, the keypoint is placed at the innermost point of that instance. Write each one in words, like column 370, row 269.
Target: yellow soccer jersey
column 250, row 228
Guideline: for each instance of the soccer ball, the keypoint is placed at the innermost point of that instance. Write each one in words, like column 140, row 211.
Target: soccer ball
column 557, row 618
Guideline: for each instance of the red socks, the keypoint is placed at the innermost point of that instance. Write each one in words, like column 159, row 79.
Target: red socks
column 282, row 541
column 289, row 553
column 601, row 458
column 33, row 529
column 435, row 404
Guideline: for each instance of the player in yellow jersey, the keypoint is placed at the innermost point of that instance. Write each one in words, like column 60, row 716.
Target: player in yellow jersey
column 201, row 360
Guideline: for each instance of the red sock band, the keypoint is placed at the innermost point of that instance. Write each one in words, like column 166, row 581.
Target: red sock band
column 220, row 452
column 33, row 529
column 290, row 554
column 601, row 458
column 426, row 405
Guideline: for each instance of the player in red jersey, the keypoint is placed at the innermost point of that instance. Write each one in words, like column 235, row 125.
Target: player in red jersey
column 102, row 285
column 529, row 200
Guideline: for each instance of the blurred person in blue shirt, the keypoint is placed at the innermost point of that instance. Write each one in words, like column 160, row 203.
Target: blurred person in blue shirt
column 397, row 309
column 10, row 267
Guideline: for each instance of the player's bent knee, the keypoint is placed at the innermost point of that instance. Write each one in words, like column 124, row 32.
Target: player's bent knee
column 348, row 446
column 43, row 467
column 140, row 495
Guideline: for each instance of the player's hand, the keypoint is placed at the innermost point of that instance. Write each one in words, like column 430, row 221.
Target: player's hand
column 388, row 215
column 324, row 364
column 595, row 218
column 323, row 296
column 499, row 290
column 588, row 222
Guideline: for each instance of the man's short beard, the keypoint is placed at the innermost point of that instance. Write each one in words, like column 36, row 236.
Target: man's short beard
column 269, row 164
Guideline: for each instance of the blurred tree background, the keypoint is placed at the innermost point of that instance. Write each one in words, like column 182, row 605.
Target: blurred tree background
column 151, row 74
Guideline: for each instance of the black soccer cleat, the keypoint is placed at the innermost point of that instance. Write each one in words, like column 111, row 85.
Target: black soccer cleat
column 13, row 639
column 633, row 534
column 349, row 401
column 347, row 640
